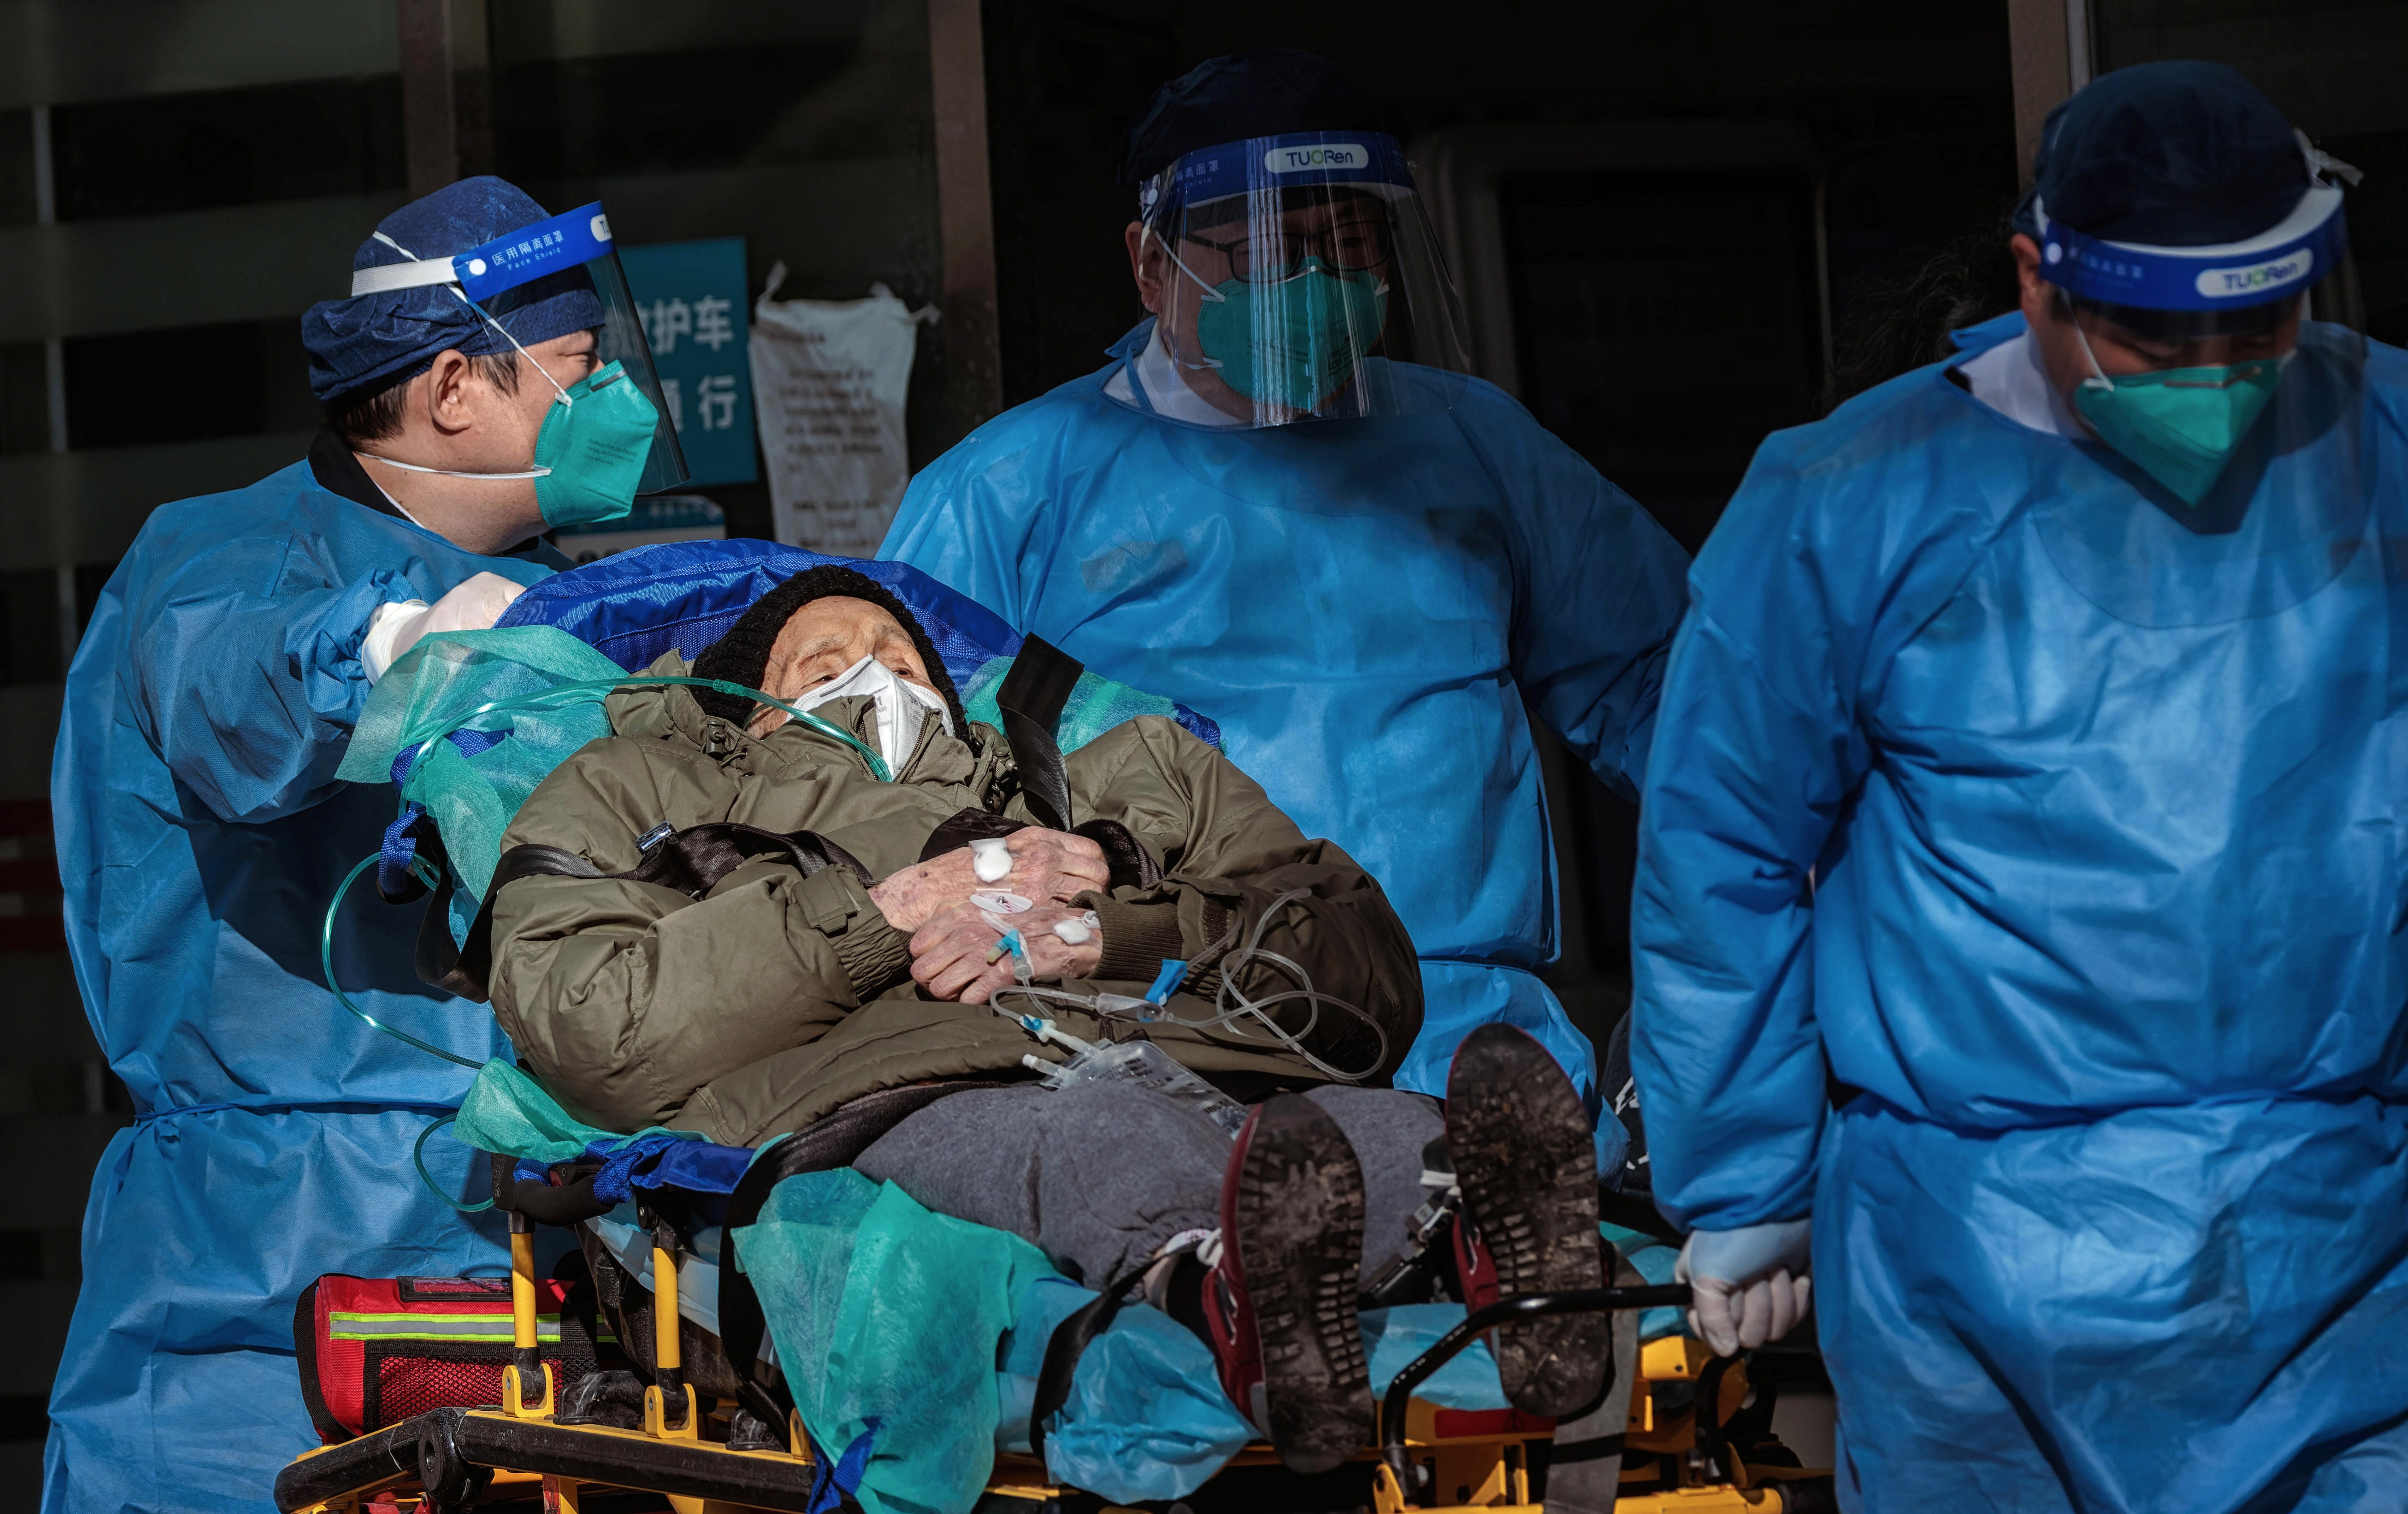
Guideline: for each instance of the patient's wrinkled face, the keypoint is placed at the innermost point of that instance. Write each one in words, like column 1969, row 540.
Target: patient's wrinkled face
column 827, row 635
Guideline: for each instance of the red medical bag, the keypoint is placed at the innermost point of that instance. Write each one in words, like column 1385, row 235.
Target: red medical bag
column 375, row 1350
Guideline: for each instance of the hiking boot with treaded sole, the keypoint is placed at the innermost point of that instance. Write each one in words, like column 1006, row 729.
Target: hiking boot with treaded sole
column 1525, row 1162
column 1281, row 1300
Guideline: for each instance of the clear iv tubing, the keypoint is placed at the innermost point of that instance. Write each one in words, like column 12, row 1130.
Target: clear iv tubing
column 1238, row 961
column 326, row 959
column 1257, row 1008
column 418, row 1156
column 878, row 769
column 533, row 700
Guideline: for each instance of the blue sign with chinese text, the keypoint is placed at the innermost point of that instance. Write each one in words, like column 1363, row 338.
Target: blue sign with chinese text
column 691, row 298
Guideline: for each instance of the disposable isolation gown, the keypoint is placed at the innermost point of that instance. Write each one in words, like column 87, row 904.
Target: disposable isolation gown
column 200, row 834
column 1363, row 606
column 2104, row 949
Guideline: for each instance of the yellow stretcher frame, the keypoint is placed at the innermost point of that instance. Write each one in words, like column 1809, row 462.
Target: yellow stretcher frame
column 440, row 1461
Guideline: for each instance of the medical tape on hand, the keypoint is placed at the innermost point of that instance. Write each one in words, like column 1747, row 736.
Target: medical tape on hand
column 990, row 859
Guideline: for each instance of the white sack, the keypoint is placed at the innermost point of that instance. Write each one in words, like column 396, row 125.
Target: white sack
column 828, row 383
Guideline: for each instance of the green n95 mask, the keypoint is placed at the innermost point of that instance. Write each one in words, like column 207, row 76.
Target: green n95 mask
column 2180, row 425
column 1294, row 343
column 589, row 457
column 590, row 454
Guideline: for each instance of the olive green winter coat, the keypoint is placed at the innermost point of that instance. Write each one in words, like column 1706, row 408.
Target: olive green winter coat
column 774, row 998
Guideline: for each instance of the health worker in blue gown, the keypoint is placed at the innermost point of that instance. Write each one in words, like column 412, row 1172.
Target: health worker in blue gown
column 202, row 832
column 1285, row 504
column 2022, row 861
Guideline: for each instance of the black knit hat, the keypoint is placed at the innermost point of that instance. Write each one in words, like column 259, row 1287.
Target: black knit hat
column 742, row 655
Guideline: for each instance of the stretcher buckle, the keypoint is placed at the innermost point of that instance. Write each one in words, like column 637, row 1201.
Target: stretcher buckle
column 514, row 1394
column 656, row 1412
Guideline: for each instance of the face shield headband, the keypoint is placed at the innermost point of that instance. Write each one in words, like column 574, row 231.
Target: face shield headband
column 2308, row 245
column 1369, row 161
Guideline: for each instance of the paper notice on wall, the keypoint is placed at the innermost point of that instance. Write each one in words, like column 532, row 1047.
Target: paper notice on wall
column 828, row 384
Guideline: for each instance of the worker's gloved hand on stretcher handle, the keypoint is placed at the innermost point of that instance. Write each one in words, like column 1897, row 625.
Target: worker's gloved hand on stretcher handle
column 1750, row 1285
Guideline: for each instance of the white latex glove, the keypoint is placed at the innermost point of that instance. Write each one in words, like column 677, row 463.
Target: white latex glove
column 1750, row 1285
column 473, row 605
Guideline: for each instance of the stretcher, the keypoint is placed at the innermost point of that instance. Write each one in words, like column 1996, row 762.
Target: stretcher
column 1686, row 1439
column 1676, row 1420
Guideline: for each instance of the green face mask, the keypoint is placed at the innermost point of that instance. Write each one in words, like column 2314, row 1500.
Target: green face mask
column 1294, row 343
column 593, row 447
column 2180, row 426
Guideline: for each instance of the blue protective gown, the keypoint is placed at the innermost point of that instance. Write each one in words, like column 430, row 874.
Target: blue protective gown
column 201, row 833
column 2103, row 948
column 1364, row 606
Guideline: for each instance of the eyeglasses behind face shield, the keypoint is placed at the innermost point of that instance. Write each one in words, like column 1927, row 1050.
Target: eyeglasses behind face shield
column 1359, row 236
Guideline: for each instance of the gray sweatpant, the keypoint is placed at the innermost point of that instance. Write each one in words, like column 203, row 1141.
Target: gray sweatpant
column 1097, row 1176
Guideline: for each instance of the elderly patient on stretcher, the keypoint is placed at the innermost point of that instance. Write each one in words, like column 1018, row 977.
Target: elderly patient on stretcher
column 1113, row 1003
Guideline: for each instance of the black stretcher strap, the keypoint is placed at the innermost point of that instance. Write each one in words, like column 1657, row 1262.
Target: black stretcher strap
column 1637, row 1211
column 966, row 826
column 564, row 1204
column 1031, row 700
column 692, row 861
column 1064, row 1347
column 437, row 956
column 1132, row 866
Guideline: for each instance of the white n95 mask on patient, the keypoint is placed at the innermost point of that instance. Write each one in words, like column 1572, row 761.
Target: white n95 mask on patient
column 903, row 706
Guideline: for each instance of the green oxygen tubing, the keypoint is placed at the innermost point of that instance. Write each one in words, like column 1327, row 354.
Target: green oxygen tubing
column 541, row 699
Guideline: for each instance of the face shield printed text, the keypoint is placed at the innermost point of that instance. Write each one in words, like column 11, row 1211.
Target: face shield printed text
column 553, row 246
column 1323, row 157
column 2237, row 283
column 1232, row 168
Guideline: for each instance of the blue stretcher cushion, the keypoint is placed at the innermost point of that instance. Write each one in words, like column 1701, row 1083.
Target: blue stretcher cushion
column 682, row 596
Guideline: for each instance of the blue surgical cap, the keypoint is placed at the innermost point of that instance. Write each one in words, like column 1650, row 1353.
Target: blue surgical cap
column 370, row 342
column 2167, row 154
column 1263, row 92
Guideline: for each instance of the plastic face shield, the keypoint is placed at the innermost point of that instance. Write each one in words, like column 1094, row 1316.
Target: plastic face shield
column 567, row 252
column 2288, row 510
column 1300, row 280
column 2287, row 514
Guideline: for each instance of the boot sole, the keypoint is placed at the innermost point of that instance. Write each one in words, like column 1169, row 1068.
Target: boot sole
column 1527, row 1163
column 1300, row 1231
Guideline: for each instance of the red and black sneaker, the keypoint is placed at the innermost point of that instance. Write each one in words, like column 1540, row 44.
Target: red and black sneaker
column 1525, row 1162
column 1280, row 1301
